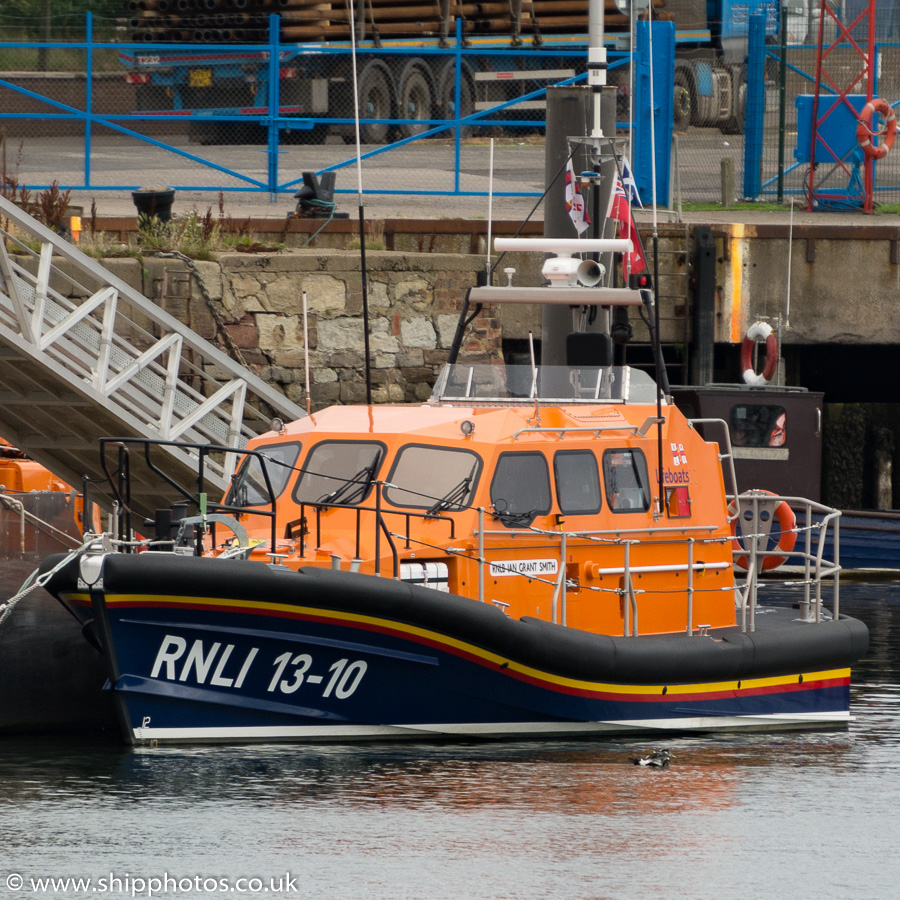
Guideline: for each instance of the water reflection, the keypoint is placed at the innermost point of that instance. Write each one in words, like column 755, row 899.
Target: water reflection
column 793, row 814
column 567, row 778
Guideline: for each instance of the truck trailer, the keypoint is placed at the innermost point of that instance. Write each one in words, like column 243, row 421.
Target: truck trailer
column 210, row 58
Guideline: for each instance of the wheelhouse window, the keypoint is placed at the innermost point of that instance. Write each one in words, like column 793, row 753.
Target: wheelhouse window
column 433, row 478
column 758, row 425
column 626, row 479
column 577, row 482
column 248, row 487
column 520, row 489
column 339, row 472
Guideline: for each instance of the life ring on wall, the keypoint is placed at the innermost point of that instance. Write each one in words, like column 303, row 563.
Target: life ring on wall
column 864, row 133
column 762, row 524
column 759, row 331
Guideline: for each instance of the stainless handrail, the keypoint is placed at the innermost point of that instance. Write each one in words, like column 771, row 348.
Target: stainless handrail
column 815, row 567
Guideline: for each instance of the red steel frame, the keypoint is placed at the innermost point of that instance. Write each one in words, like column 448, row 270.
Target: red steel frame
column 867, row 56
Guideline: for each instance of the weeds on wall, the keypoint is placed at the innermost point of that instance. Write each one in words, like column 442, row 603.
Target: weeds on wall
column 195, row 235
column 49, row 207
column 374, row 236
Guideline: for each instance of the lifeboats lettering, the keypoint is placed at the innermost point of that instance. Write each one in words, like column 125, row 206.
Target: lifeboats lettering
column 529, row 567
column 200, row 662
column 681, row 477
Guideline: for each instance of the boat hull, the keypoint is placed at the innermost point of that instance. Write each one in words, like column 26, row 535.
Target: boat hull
column 52, row 677
column 868, row 540
column 240, row 651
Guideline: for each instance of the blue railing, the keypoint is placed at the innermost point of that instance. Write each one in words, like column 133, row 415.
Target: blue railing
column 272, row 118
column 760, row 135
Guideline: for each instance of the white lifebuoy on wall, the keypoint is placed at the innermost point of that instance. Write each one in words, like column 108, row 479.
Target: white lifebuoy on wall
column 759, row 331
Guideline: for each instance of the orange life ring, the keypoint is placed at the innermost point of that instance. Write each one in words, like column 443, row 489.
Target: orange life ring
column 787, row 537
column 864, row 133
column 759, row 331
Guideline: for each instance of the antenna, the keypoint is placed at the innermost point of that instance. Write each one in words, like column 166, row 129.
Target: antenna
column 787, row 311
column 597, row 64
column 661, row 369
column 362, row 214
column 306, row 354
column 487, row 265
column 534, row 380
column 631, row 8
column 785, row 323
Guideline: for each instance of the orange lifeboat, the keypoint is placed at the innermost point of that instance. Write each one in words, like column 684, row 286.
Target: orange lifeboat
column 536, row 551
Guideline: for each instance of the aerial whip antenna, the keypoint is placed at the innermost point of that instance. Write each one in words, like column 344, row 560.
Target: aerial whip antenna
column 662, row 379
column 362, row 214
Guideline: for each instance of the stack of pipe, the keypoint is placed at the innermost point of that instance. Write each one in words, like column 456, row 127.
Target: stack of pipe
column 572, row 15
column 200, row 21
column 246, row 21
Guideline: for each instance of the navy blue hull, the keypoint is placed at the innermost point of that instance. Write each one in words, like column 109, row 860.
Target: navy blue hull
column 340, row 675
column 868, row 540
column 322, row 655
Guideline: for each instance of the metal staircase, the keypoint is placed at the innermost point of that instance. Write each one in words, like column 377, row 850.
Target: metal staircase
column 84, row 356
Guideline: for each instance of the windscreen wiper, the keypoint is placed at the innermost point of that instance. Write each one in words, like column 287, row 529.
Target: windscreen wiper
column 353, row 489
column 453, row 497
column 456, row 495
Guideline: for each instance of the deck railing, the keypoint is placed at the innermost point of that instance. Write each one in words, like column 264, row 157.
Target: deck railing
column 753, row 543
column 808, row 565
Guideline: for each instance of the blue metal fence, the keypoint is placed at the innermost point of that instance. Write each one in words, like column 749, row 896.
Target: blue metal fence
column 257, row 93
column 778, row 142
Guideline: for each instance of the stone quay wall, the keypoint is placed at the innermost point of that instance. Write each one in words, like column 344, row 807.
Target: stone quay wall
column 251, row 306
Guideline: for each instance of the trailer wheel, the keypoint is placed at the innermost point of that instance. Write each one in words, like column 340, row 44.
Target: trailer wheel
column 375, row 102
column 735, row 124
column 446, row 96
column 416, row 99
column 682, row 104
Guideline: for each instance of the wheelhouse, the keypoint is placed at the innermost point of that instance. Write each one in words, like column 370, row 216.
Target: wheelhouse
column 536, row 489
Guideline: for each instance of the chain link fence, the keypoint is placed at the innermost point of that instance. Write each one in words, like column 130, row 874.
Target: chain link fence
column 253, row 117
column 199, row 113
column 837, row 52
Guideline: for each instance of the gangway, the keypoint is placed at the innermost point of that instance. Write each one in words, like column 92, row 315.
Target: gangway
column 83, row 355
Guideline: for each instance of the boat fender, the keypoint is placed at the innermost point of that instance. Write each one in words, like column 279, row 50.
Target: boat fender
column 864, row 133
column 787, row 539
column 759, row 331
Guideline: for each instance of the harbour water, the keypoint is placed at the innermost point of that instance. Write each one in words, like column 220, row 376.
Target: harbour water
column 747, row 816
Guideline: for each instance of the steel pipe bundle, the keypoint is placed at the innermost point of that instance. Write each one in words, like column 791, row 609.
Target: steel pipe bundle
column 313, row 20
column 563, row 16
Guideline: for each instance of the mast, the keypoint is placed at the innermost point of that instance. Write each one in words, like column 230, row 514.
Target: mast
column 596, row 61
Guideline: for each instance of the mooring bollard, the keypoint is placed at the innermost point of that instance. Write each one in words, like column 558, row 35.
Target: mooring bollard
column 728, row 193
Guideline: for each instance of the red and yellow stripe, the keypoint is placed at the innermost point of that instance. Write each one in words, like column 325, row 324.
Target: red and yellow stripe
column 576, row 687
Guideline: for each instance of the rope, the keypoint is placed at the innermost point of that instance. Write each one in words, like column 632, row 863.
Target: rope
column 34, row 580
column 321, row 204
column 104, row 542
